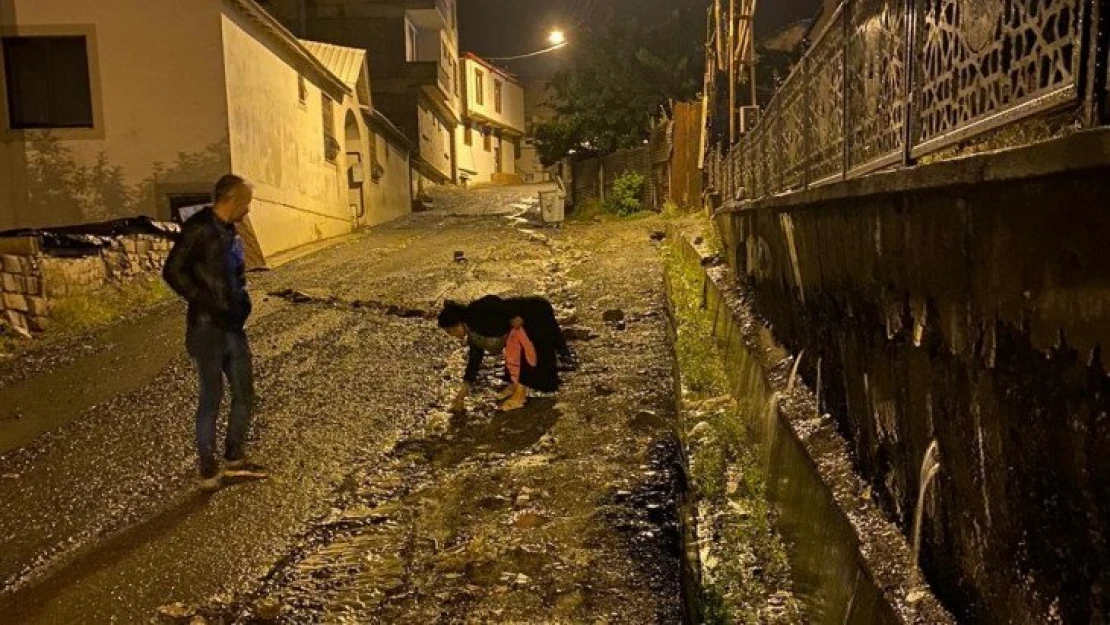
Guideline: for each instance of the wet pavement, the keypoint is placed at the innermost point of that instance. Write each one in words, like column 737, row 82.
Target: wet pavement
column 381, row 506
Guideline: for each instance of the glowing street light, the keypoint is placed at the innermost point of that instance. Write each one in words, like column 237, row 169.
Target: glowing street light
column 556, row 38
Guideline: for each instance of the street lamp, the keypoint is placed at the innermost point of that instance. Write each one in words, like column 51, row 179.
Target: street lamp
column 557, row 39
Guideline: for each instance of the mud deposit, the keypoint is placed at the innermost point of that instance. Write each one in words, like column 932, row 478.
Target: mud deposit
column 566, row 511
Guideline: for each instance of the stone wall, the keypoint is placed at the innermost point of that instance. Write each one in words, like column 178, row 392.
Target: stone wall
column 32, row 278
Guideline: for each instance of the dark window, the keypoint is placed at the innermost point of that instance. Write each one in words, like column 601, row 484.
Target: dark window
column 48, row 82
column 331, row 146
column 469, row 136
column 479, row 87
column 497, row 89
column 487, row 141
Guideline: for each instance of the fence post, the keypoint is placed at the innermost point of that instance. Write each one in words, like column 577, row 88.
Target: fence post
column 908, row 122
column 846, row 90
column 1093, row 63
column 807, row 121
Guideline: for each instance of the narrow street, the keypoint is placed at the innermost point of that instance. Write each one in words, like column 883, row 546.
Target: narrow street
column 381, row 505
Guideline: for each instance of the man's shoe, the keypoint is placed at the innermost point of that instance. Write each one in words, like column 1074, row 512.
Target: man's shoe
column 211, row 484
column 243, row 469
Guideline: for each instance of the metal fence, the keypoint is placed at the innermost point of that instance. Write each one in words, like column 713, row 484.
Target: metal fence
column 889, row 81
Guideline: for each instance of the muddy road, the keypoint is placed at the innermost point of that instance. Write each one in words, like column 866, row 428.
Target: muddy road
column 381, row 506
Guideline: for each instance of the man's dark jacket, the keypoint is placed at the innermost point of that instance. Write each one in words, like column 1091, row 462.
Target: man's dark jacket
column 200, row 269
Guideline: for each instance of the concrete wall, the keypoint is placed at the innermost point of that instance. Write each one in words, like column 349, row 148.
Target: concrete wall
column 278, row 143
column 966, row 303
column 391, row 196
column 436, row 138
column 160, row 122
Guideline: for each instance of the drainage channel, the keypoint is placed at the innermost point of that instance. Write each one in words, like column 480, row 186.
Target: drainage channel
column 778, row 527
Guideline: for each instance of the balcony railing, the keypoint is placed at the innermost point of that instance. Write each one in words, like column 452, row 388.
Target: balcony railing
column 890, row 81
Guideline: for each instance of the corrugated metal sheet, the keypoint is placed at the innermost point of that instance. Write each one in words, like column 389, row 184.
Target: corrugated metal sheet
column 345, row 63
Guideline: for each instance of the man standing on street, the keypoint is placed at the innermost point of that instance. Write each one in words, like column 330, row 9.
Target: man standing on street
column 207, row 268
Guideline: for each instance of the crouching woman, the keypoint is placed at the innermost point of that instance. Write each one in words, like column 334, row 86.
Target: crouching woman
column 524, row 328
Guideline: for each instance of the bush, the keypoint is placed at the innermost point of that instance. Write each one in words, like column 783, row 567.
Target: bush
column 624, row 199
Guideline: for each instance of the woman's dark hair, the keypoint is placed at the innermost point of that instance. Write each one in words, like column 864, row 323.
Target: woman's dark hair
column 453, row 314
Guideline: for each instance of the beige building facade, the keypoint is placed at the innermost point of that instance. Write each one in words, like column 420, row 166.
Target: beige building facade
column 119, row 108
column 489, row 139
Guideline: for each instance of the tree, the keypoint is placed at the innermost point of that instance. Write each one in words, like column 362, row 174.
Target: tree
column 619, row 81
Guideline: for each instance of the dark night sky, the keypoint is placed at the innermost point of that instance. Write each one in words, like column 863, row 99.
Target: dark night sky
column 494, row 28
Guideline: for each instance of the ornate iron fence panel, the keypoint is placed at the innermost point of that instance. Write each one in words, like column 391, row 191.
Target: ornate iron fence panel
column 747, row 171
column 985, row 63
column 824, row 71
column 761, row 156
column 877, row 83
column 794, row 124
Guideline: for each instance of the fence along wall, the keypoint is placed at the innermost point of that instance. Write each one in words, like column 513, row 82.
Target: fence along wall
column 891, row 81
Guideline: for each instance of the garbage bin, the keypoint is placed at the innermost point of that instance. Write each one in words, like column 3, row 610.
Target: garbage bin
column 552, row 207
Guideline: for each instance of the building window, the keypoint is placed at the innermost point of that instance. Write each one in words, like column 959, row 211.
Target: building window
column 331, row 146
column 487, row 141
column 48, row 82
column 302, row 90
column 468, row 136
column 479, row 87
column 497, row 90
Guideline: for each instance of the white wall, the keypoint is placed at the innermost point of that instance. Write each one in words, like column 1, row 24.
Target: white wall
column 435, row 140
column 512, row 97
column 480, row 165
column 158, row 90
column 390, row 197
column 278, row 143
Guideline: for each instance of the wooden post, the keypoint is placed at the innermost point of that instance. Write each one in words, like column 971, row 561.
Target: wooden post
column 731, row 72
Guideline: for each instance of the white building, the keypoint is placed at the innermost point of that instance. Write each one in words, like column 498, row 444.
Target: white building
column 118, row 108
column 488, row 141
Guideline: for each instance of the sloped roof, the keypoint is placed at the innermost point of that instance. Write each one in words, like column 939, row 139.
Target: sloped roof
column 306, row 60
column 345, row 63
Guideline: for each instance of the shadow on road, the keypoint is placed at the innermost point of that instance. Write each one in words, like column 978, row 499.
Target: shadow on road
column 25, row 605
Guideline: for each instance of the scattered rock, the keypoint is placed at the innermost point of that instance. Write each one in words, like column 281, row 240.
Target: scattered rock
column 268, row 609
column 529, row 520
column 699, row 240
column 578, row 333
column 658, row 235
column 460, row 256
column 604, row 389
column 915, row 596
column 613, row 315
column 175, row 613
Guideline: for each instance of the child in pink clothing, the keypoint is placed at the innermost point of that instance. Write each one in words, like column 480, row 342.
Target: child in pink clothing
column 518, row 344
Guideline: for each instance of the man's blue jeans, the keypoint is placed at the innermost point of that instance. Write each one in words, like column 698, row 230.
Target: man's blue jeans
column 217, row 353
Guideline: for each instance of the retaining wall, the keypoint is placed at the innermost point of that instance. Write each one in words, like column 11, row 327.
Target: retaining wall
column 965, row 303
column 849, row 564
column 33, row 277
